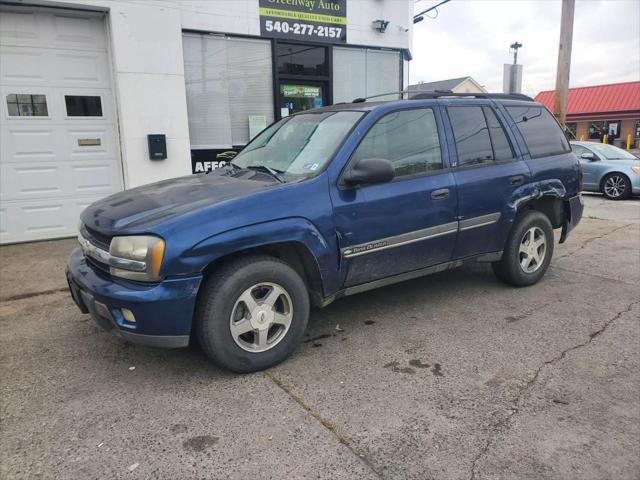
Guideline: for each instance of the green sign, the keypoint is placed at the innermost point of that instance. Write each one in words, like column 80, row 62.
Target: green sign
column 300, row 91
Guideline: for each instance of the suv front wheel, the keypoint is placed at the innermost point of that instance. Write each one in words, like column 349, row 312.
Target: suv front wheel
column 252, row 313
column 528, row 251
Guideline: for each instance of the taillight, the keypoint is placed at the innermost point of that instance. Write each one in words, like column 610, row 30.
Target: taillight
column 580, row 178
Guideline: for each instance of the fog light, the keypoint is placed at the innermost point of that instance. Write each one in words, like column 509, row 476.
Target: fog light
column 128, row 315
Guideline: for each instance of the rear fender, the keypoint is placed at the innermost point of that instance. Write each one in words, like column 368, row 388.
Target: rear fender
column 527, row 194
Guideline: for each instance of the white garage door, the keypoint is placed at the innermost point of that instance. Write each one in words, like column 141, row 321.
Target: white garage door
column 58, row 142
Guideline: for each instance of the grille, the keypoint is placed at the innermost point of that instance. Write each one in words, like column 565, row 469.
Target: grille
column 98, row 239
column 103, row 267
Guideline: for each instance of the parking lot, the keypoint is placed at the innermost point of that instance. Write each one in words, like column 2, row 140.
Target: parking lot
column 452, row 376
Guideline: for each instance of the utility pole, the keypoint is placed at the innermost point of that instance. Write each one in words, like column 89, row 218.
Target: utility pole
column 564, row 61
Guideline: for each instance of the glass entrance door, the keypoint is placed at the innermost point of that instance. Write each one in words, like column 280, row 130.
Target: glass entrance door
column 297, row 97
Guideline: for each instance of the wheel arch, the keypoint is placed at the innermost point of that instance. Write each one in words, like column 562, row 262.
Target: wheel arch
column 545, row 196
column 612, row 172
column 295, row 241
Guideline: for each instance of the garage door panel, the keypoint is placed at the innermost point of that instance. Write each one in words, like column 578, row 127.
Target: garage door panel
column 82, row 69
column 25, row 145
column 95, row 178
column 58, row 180
column 53, row 67
column 42, row 28
column 39, row 220
column 19, row 26
column 22, row 145
column 85, row 144
column 18, row 65
column 34, row 180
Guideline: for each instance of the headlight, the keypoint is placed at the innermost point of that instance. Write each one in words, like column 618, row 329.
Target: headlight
column 137, row 257
column 636, row 169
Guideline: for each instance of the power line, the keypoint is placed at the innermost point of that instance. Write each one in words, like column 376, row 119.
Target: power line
column 418, row 17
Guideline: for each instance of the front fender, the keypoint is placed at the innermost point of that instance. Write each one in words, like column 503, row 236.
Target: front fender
column 293, row 229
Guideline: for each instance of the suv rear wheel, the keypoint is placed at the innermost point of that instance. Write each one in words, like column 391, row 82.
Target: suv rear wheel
column 252, row 313
column 528, row 250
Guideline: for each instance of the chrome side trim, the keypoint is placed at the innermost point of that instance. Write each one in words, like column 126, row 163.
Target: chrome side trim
column 399, row 240
column 103, row 256
column 419, row 235
column 481, row 221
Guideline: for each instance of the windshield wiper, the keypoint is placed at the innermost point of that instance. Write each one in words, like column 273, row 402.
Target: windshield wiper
column 233, row 166
column 269, row 170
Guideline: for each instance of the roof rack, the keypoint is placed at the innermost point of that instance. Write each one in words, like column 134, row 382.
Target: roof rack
column 448, row 93
column 364, row 99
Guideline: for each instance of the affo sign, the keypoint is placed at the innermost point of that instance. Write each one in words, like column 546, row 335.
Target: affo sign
column 203, row 161
column 310, row 20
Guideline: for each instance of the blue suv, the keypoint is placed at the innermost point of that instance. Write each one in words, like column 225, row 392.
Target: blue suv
column 324, row 204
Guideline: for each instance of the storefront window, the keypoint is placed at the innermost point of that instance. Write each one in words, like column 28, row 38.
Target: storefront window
column 295, row 59
column 596, row 130
column 612, row 130
column 360, row 72
column 228, row 82
column 572, row 129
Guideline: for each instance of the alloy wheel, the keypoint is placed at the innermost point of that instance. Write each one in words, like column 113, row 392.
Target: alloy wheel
column 261, row 317
column 533, row 249
column 615, row 186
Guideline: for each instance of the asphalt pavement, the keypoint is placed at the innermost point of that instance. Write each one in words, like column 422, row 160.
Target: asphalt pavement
column 452, row 376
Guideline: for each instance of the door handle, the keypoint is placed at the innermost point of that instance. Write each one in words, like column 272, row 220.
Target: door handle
column 440, row 194
column 516, row 180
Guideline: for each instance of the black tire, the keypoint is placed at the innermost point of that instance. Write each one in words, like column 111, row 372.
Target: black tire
column 509, row 268
column 216, row 301
column 622, row 190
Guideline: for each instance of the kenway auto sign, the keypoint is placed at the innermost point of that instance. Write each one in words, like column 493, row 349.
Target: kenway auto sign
column 309, row 20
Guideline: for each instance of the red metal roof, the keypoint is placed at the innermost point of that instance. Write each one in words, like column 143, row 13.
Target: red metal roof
column 614, row 97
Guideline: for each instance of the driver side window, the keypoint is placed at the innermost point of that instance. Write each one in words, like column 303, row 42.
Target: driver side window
column 579, row 150
column 408, row 139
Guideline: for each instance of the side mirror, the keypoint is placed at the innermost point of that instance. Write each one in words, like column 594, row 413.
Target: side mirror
column 369, row 171
column 589, row 156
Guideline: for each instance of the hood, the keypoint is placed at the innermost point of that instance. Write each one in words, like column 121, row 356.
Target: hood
column 622, row 162
column 143, row 207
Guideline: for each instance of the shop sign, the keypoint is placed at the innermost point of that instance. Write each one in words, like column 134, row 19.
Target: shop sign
column 300, row 91
column 310, row 20
column 205, row 160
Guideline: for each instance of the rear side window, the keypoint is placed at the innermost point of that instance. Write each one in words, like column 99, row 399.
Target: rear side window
column 408, row 139
column 540, row 130
column 502, row 150
column 471, row 135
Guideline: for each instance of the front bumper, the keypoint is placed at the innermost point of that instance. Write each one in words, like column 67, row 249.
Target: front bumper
column 573, row 208
column 163, row 311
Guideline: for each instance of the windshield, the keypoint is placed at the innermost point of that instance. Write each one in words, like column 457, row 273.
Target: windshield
column 610, row 152
column 298, row 145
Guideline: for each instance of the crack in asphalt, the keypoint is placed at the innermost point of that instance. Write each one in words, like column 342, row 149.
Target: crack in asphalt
column 588, row 241
column 22, row 296
column 603, row 277
column 324, row 422
column 506, row 422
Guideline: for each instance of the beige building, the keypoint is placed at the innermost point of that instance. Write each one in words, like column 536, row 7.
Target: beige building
column 456, row 85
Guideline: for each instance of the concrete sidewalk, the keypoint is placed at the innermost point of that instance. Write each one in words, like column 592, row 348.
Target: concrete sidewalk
column 446, row 377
